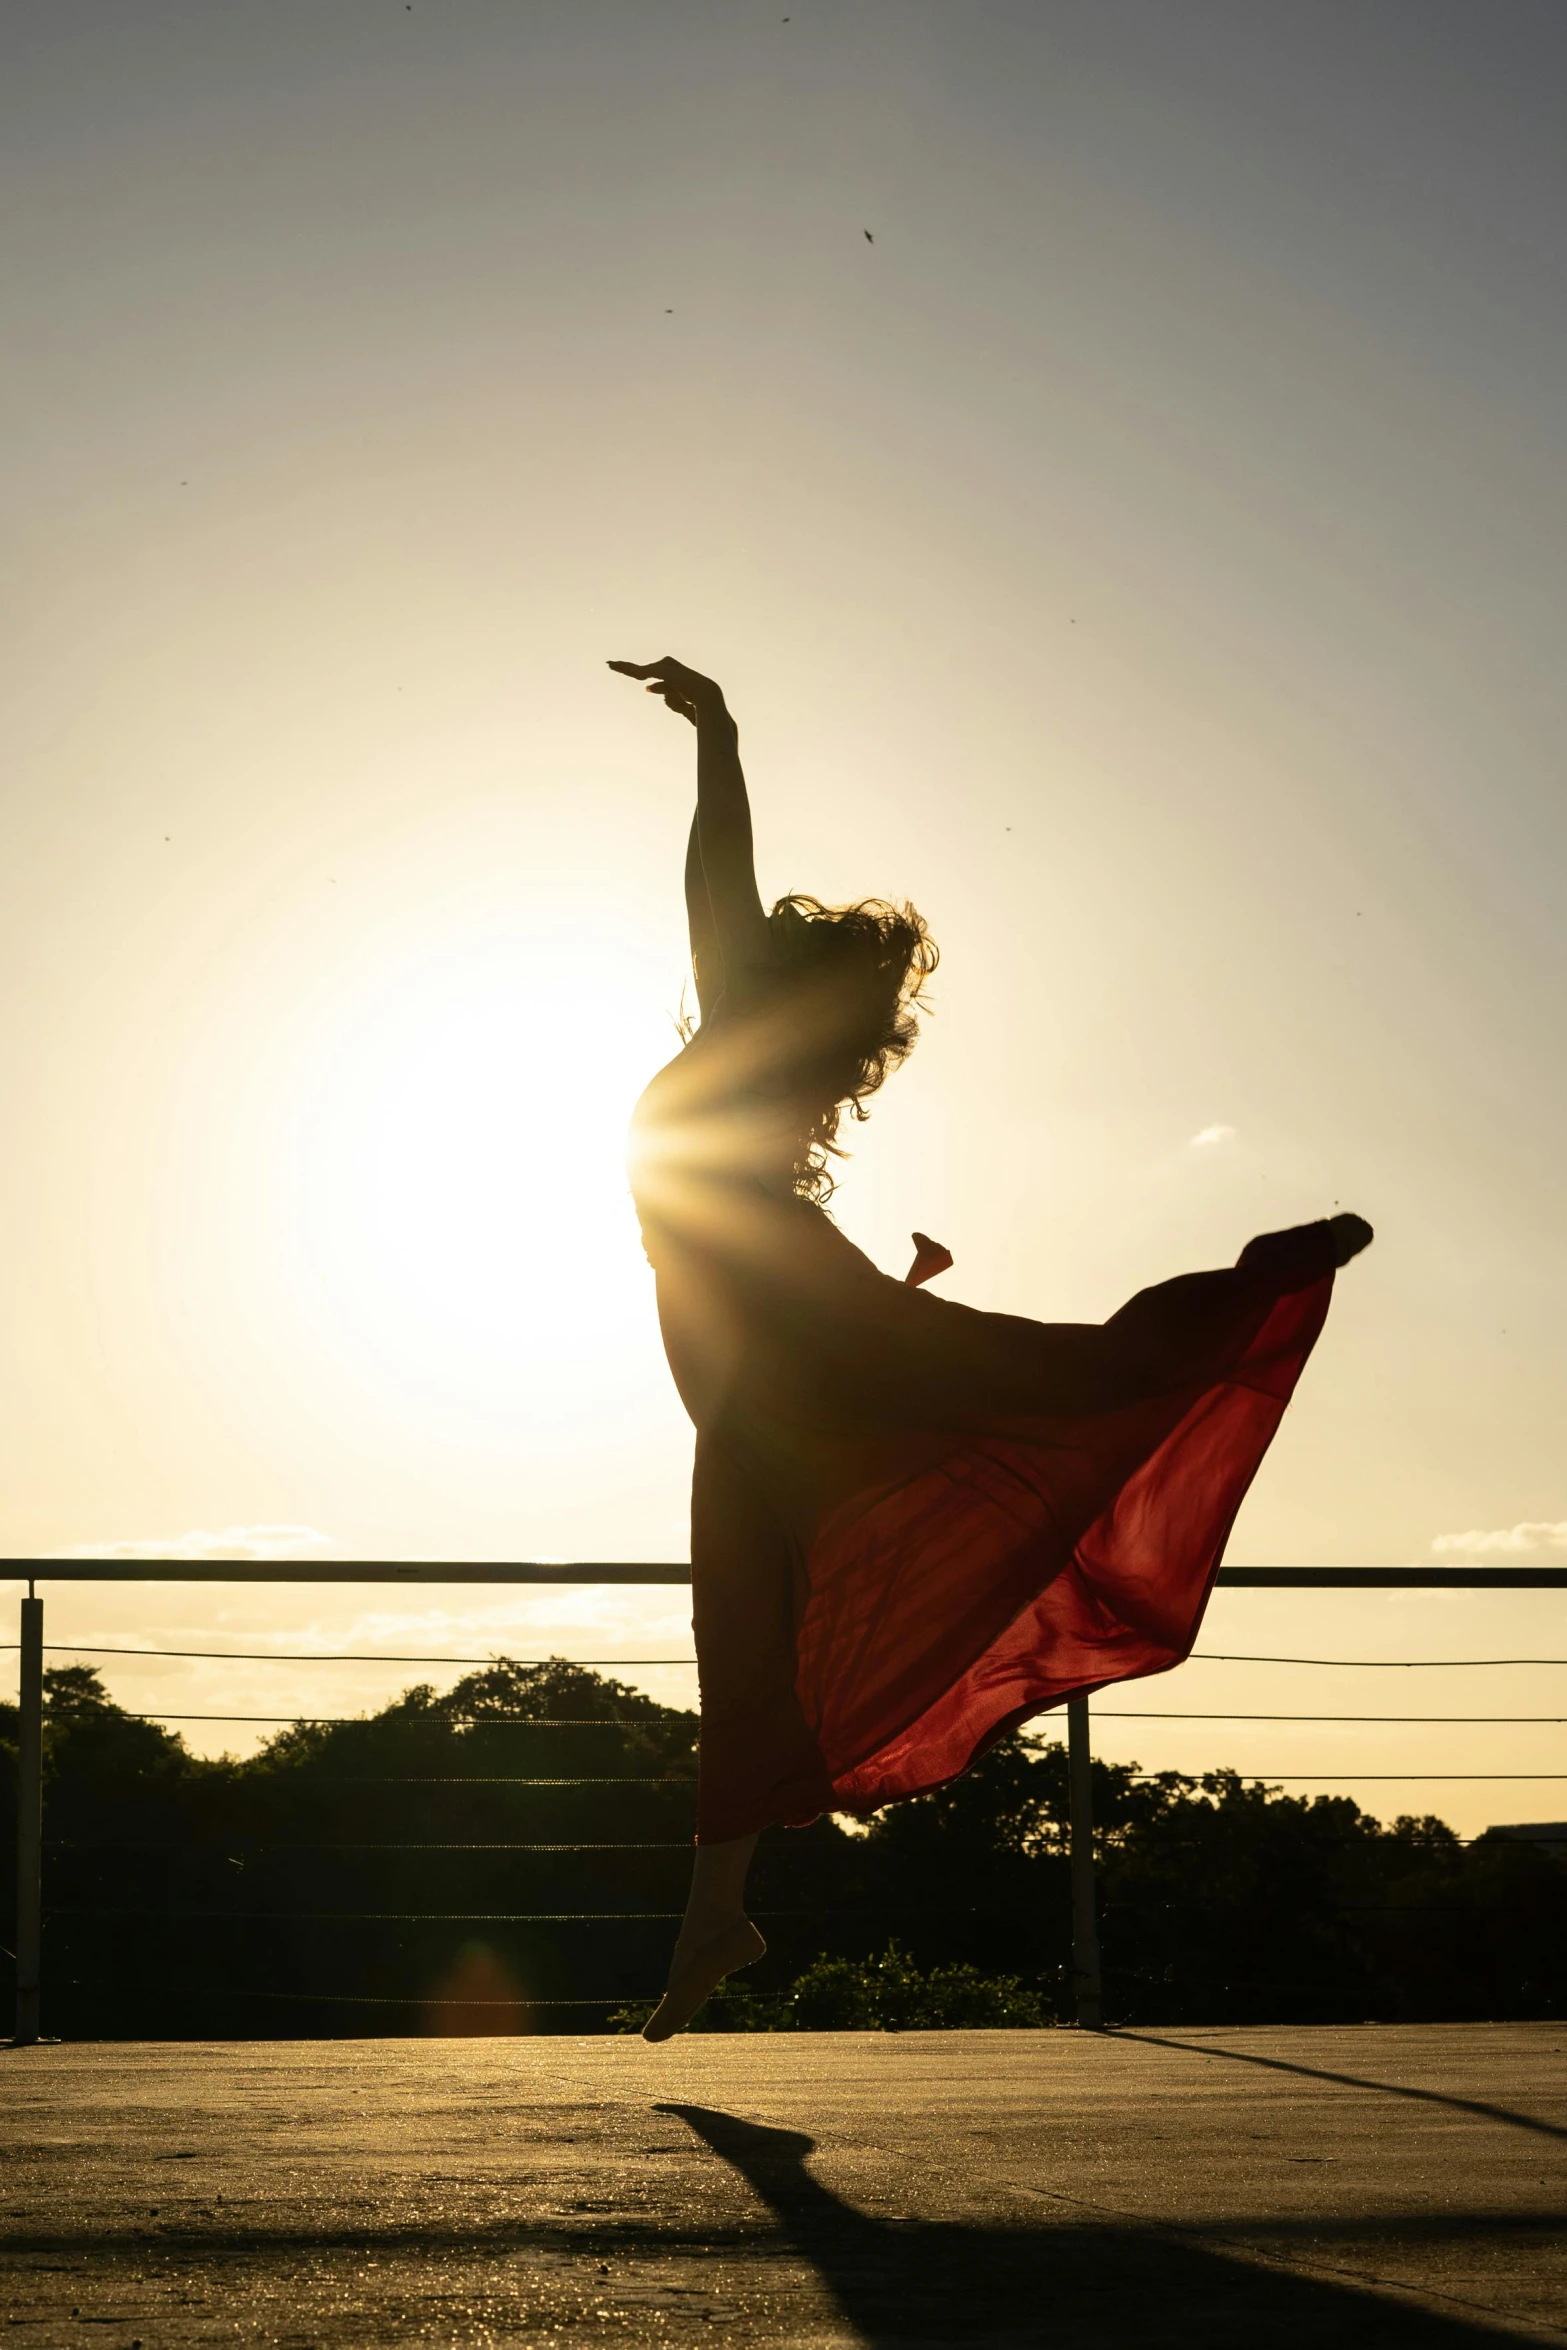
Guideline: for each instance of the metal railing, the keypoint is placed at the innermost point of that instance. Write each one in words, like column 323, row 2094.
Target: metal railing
column 1087, row 1981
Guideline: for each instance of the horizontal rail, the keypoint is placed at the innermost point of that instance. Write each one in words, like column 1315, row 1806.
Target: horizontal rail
column 1395, row 1578
column 670, row 1571
column 72, row 1570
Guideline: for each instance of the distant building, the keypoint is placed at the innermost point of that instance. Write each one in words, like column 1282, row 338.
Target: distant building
column 1551, row 1833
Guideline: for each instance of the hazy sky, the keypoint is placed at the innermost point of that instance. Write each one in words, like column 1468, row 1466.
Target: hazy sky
column 1146, row 554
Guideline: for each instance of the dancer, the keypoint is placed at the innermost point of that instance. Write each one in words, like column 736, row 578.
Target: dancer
column 913, row 1525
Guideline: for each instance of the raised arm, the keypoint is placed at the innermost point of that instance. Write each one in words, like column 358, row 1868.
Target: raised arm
column 706, row 963
column 720, row 851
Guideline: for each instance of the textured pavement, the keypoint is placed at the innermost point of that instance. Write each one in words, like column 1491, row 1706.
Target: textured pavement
column 1265, row 2188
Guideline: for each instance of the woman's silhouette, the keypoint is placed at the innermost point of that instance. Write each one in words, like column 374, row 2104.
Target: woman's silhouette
column 912, row 1525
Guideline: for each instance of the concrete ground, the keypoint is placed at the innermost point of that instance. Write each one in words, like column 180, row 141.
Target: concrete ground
column 1263, row 2188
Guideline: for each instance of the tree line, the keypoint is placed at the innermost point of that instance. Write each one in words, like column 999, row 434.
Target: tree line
column 512, row 1855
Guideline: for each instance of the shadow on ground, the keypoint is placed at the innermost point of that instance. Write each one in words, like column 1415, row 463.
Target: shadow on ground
column 902, row 2283
column 1315, row 2072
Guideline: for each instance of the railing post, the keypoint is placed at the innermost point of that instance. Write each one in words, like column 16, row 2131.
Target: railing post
column 29, row 1821
column 1087, row 1988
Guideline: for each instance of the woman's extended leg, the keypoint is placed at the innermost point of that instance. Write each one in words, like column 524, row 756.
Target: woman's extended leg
column 715, row 1935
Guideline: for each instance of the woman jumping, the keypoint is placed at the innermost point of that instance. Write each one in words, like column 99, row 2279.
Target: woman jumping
column 913, row 1525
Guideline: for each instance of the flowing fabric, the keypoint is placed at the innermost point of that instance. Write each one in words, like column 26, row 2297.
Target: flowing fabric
column 914, row 1525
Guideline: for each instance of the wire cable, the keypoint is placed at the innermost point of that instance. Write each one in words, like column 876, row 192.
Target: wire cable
column 250, row 1846
column 381, row 1917
column 414, row 1999
column 598, row 1663
column 632, row 1722
column 466, row 1722
column 460, row 1779
column 267, row 1656
column 1335, row 1778
column 1398, row 1664
column 1553, row 1720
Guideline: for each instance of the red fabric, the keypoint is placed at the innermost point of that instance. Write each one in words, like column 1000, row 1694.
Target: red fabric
column 945, row 1613
column 895, row 1559
column 914, row 1525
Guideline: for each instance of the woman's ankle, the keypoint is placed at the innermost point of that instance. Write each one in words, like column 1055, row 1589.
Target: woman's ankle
column 703, row 1924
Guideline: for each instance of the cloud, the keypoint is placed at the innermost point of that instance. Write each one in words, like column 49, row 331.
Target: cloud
column 232, row 1542
column 1211, row 1135
column 1504, row 1541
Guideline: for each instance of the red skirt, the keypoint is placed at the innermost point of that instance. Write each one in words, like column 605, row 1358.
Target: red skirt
column 915, row 1526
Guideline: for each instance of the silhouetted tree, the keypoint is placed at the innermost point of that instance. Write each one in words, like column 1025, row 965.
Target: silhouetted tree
column 351, row 1876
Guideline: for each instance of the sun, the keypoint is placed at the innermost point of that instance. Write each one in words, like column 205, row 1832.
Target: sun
column 457, row 1209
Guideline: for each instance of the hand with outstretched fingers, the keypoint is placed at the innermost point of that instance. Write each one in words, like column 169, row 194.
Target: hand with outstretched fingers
column 688, row 693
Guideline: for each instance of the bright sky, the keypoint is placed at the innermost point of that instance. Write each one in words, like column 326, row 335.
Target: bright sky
column 1146, row 554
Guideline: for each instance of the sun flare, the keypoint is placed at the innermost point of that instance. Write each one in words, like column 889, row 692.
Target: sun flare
column 458, row 1205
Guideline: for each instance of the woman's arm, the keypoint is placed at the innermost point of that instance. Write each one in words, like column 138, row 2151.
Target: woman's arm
column 723, row 819
column 706, row 963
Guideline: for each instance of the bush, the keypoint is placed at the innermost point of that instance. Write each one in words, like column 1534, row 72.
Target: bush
column 889, row 1993
column 886, row 1993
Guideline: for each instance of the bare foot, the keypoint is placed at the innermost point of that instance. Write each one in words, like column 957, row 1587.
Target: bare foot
column 1350, row 1235
column 930, row 1258
column 739, row 1945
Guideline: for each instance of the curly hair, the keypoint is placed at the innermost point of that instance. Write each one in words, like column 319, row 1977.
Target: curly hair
column 857, row 977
